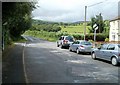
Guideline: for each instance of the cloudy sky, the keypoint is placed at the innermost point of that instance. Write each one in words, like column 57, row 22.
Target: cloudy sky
column 73, row 10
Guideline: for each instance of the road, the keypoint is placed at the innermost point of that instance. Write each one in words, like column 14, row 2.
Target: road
column 40, row 61
column 44, row 62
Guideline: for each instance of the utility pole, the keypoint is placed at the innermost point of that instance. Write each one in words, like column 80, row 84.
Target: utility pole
column 86, row 15
column 85, row 22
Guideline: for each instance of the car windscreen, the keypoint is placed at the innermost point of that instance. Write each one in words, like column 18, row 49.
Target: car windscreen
column 86, row 43
column 69, row 38
column 119, row 46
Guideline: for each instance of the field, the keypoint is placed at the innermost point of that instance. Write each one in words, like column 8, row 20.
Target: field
column 75, row 29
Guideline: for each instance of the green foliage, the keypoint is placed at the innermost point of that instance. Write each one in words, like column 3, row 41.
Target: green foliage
column 106, row 39
column 75, row 29
column 78, row 36
column 45, row 26
column 107, row 27
column 53, row 36
column 100, row 23
column 99, row 36
column 91, row 41
column 16, row 19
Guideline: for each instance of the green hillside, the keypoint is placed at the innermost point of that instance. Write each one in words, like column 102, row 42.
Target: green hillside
column 75, row 29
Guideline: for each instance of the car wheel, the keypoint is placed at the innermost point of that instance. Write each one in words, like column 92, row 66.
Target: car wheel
column 57, row 45
column 93, row 56
column 78, row 52
column 114, row 61
column 61, row 46
column 70, row 49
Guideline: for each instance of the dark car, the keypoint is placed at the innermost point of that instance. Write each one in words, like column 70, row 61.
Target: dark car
column 65, row 41
column 109, row 52
column 81, row 46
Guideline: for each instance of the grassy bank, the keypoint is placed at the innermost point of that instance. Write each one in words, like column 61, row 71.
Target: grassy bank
column 51, row 36
column 75, row 29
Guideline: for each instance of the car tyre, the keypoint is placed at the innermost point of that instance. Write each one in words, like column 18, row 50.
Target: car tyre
column 114, row 61
column 57, row 45
column 78, row 52
column 70, row 49
column 93, row 56
column 61, row 46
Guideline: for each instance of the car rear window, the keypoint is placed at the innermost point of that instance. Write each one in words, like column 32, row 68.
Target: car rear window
column 69, row 38
column 119, row 46
column 86, row 43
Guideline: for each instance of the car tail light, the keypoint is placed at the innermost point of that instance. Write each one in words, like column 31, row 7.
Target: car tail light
column 119, row 54
column 82, row 46
column 65, row 41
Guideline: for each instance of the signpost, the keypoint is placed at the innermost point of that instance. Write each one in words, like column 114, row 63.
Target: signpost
column 95, row 28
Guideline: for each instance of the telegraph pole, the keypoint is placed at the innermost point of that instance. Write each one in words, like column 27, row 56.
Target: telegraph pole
column 86, row 15
column 85, row 22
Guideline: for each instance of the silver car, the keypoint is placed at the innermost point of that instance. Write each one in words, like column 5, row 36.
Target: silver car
column 65, row 41
column 110, row 52
column 81, row 46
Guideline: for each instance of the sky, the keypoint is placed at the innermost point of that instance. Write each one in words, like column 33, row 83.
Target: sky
column 74, row 10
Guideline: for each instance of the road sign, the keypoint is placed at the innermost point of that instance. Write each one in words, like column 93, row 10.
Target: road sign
column 95, row 25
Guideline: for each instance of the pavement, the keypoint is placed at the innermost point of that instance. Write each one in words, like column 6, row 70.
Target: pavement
column 0, row 66
column 40, row 61
column 12, row 66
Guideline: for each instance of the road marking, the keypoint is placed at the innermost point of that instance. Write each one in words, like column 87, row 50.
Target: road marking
column 76, row 81
column 76, row 61
column 25, row 74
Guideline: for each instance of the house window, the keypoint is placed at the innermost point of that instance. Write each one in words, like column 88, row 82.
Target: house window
column 119, row 24
column 113, row 37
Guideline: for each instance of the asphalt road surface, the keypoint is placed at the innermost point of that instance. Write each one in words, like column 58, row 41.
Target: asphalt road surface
column 44, row 62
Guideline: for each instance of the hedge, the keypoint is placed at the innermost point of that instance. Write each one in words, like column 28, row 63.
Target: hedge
column 56, row 35
column 99, row 36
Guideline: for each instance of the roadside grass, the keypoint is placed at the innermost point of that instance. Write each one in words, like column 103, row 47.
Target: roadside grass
column 11, row 44
column 75, row 29
column 20, row 40
column 7, row 49
column 50, row 36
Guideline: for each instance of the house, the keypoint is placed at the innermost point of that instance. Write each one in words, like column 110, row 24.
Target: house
column 114, row 33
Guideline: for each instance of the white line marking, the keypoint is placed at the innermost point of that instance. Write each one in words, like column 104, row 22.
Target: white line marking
column 25, row 74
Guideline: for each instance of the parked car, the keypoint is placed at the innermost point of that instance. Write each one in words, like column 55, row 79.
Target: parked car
column 65, row 41
column 81, row 46
column 110, row 52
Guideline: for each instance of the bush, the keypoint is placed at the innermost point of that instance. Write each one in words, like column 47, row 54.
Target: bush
column 106, row 39
column 78, row 36
column 56, row 35
column 91, row 41
column 99, row 36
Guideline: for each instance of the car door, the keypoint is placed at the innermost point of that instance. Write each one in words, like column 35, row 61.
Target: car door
column 60, row 40
column 101, row 52
column 74, row 45
column 77, row 44
column 109, row 52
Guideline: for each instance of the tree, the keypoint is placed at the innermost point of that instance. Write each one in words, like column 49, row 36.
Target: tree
column 16, row 18
column 98, row 20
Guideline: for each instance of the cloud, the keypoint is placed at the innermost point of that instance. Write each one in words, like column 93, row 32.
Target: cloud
column 73, row 10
